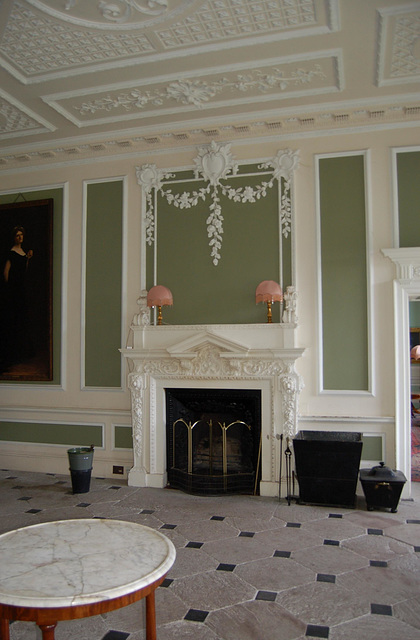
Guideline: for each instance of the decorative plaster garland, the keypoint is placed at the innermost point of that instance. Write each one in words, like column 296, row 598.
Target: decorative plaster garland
column 214, row 163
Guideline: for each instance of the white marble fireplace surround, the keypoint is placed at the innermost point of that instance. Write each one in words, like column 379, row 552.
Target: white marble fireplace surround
column 254, row 356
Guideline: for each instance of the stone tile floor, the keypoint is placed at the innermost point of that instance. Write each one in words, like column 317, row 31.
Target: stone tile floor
column 247, row 568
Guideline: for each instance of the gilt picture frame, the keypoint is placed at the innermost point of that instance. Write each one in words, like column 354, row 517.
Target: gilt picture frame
column 26, row 285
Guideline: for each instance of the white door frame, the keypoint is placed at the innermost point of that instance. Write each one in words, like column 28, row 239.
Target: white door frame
column 406, row 287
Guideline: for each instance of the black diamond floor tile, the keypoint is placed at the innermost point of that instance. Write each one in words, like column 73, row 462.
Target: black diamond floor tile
column 269, row 596
column 317, row 631
column 332, row 543
column 378, row 563
column 83, row 504
column 413, row 521
column 115, row 635
column 115, row 487
column 225, row 567
column 375, row 532
column 220, row 518
column 246, row 534
column 335, row 515
column 25, row 498
column 325, row 577
column 168, row 526
column 147, row 511
column 282, row 554
column 33, row 511
column 196, row 615
column 167, row 582
column 294, row 525
column 381, row 609
column 194, row 545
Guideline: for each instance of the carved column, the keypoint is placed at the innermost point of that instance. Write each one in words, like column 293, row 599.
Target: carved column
column 137, row 385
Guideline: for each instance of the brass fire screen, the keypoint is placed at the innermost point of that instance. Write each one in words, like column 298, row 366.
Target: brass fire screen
column 215, row 451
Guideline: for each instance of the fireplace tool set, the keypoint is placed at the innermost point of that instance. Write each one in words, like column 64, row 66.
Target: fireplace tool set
column 290, row 473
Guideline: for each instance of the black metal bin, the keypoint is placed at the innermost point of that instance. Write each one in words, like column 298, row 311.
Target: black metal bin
column 327, row 466
column 382, row 487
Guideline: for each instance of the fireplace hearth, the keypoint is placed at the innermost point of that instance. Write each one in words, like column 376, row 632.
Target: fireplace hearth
column 213, row 440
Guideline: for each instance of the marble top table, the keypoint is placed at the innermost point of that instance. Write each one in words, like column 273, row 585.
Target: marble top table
column 77, row 568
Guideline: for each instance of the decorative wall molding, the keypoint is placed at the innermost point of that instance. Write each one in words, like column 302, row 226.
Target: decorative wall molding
column 141, row 141
column 213, row 164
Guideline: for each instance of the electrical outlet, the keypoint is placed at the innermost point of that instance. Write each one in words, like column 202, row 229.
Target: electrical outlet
column 118, row 470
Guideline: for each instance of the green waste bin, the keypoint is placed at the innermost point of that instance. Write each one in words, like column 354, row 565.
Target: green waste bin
column 80, row 461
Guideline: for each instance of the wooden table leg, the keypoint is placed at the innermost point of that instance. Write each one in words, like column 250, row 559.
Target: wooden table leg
column 48, row 631
column 150, row 616
column 4, row 629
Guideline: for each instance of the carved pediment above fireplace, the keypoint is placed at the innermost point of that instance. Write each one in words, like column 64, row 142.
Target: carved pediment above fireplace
column 205, row 340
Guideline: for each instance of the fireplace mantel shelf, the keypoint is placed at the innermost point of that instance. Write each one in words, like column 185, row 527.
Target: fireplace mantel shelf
column 252, row 356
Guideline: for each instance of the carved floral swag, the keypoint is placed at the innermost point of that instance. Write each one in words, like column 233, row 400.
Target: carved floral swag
column 215, row 163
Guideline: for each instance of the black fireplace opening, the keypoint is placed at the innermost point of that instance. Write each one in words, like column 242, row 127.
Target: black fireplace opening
column 213, row 440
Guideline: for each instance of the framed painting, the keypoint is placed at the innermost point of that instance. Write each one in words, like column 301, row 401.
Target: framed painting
column 26, row 291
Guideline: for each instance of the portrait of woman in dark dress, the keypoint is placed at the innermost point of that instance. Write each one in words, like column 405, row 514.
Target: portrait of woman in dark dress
column 16, row 336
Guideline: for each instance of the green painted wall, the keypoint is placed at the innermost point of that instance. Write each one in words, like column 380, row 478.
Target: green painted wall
column 408, row 173
column 57, row 197
column 37, row 433
column 123, row 437
column 372, row 448
column 414, row 307
column 103, row 284
column 205, row 293
column 344, row 278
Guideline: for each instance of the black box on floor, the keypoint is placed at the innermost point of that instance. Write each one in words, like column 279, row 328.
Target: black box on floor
column 382, row 487
column 327, row 466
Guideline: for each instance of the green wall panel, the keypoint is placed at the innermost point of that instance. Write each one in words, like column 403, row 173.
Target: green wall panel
column 205, row 293
column 344, row 276
column 372, row 448
column 414, row 307
column 103, row 284
column 123, row 437
column 408, row 173
column 57, row 196
column 37, row 433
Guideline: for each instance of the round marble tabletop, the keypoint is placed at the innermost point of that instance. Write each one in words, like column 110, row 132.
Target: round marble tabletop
column 73, row 562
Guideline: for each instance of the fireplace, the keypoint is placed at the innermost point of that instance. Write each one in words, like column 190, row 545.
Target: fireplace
column 213, row 440
column 227, row 359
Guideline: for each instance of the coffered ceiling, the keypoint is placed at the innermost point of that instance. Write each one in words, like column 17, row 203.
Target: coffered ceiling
column 86, row 77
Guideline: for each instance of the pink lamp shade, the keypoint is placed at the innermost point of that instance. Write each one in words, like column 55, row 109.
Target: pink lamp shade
column 415, row 352
column 159, row 296
column 268, row 291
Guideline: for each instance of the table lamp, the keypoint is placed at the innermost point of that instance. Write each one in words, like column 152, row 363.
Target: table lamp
column 415, row 352
column 159, row 296
column 268, row 291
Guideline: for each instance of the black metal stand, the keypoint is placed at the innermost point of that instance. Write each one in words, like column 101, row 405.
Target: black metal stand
column 290, row 475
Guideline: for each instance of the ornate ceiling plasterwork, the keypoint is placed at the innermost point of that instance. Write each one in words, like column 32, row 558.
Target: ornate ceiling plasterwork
column 38, row 43
column 399, row 45
column 16, row 121
column 133, row 13
column 274, row 81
